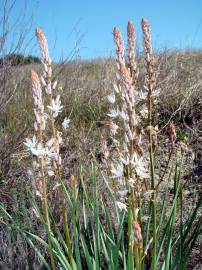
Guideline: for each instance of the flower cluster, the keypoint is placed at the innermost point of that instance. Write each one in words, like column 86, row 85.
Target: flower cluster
column 129, row 114
column 45, row 144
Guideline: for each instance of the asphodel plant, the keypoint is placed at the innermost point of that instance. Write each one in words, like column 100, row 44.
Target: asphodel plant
column 132, row 168
column 54, row 108
column 45, row 144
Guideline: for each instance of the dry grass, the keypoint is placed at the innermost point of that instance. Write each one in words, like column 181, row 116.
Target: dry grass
column 86, row 85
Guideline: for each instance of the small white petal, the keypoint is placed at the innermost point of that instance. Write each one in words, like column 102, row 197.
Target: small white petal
column 131, row 182
column 51, row 173
column 114, row 113
column 117, row 172
column 43, row 81
column 49, row 89
column 122, row 193
column 56, row 186
column 121, row 206
column 116, row 88
column 59, row 137
column 54, row 84
column 38, row 194
column 55, row 106
column 125, row 161
column 111, row 98
column 65, row 123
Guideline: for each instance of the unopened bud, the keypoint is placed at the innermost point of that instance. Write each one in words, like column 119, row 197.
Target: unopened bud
column 137, row 233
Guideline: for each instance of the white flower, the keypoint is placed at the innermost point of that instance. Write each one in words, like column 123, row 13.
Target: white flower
column 50, row 143
column 118, row 76
column 129, row 135
column 50, row 173
column 48, row 89
column 135, row 119
column 125, row 147
column 113, row 128
column 117, row 172
column 39, row 150
column 35, row 165
column 124, row 115
column 140, row 166
column 65, row 123
column 55, row 106
column 122, row 193
column 38, row 193
column 54, row 85
column 143, row 173
column 43, row 81
column 59, row 137
column 114, row 113
column 138, row 161
column 147, row 195
column 139, row 139
column 50, row 152
column 36, row 150
column 125, row 161
column 121, row 206
column 50, row 148
column 111, row 98
column 131, row 182
column 56, row 186
column 34, row 147
column 156, row 92
column 116, row 88
column 140, row 95
column 31, row 143
column 144, row 111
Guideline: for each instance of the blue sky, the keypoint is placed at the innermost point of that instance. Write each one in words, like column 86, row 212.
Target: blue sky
column 176, row 24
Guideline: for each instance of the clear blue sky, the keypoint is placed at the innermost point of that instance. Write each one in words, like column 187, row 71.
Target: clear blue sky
column 175, row 23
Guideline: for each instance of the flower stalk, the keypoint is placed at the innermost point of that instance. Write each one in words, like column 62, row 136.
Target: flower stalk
column 131, row 170
column 149, row 85
column 39, row 128
column 55, row 108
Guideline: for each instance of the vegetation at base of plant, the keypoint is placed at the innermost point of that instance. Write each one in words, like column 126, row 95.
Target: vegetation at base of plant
column 99, row 233
column 181, row 135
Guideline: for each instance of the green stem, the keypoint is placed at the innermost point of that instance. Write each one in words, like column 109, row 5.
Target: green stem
column 154, row 217
column 66, row 226
column 45, row 204
column 130, row 236
column 67, row 235
column 64, row 210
